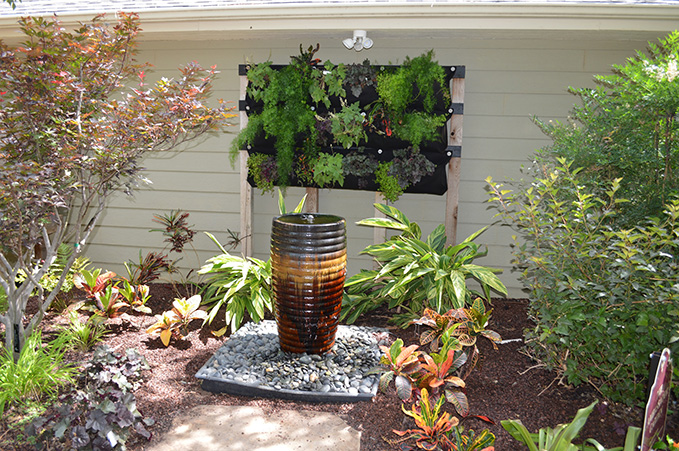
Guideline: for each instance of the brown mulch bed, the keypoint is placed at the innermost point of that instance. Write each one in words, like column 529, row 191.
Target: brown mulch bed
column 507, row 385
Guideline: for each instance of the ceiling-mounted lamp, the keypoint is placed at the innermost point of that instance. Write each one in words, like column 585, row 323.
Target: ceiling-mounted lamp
column 359, row 42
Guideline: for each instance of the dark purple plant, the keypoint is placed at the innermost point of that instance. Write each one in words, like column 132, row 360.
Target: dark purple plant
column 176, row 229
column 409, row 166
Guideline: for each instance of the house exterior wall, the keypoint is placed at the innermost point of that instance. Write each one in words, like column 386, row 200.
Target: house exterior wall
column 510, row 77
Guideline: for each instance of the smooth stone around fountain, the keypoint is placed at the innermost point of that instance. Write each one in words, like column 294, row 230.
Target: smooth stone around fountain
column 250, row 363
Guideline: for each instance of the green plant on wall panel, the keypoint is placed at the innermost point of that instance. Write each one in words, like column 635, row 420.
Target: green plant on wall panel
column 303, row 111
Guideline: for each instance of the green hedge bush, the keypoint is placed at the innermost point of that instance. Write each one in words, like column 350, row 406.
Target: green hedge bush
column 602, row 298
column 626, row 127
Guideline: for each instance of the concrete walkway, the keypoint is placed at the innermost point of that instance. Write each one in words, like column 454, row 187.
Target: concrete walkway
column 233, row 428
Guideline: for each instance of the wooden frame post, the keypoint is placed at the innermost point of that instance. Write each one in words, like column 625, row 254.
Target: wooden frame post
column 455, row 151
column 311, row 204
column 245, row 188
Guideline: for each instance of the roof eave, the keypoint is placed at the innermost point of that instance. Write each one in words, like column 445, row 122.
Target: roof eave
column 201, row 22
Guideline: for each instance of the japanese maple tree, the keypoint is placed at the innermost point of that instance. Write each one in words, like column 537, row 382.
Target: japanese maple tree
column 77, row 119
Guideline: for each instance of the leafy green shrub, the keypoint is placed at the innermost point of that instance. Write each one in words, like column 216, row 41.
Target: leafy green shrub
column 415, row 274
column 626, row 127
column 602, row 298
column 102, row 412
column 37, row 374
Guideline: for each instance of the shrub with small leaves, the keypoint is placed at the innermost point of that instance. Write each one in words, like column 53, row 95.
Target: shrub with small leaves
column 101, row 412
column 602, row 298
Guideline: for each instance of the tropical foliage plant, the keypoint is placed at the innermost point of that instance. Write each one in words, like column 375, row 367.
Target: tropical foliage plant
column 72, row 141
column 93, row 282
column 135, row 297
column 594, row 288
column 461, row 326
column 239, row 285
column 149, row 268
column 438, row 430
column 416, row 274
column 561, row 437
column 175, row 228
column 108, row 296
column 175, row 322
column 471, row 441
column 401, row 364
column 433, row 426
column 443, row 370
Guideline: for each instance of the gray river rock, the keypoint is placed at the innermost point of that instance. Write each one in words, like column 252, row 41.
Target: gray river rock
column 252, row 357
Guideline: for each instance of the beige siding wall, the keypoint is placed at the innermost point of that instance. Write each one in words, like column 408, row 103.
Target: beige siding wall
column 509, row 79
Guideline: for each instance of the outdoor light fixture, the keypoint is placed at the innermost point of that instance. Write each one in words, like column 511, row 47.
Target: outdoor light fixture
column 359, row 42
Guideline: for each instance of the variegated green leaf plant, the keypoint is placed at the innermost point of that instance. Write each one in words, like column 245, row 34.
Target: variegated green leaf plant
column 415, row 274
column 239, row 284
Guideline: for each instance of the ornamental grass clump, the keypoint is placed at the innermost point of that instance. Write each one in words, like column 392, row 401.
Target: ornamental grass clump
column 38, row 373
column 602, row 298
